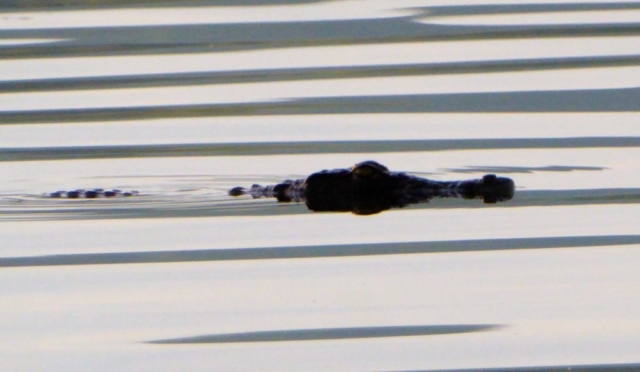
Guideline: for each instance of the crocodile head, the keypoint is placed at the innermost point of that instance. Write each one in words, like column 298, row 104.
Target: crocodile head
column 369, row 187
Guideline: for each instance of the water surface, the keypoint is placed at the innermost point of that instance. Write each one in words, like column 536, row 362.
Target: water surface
column 182, row 101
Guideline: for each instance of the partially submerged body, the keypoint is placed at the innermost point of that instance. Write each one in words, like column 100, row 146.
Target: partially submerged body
column 369, row 187
column 366, row 188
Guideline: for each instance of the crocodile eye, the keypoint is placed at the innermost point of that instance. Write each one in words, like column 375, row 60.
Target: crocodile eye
column 365, row 172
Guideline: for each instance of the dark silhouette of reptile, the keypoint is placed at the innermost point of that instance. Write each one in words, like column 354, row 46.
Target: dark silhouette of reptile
column 369, row 187
column 366, row 188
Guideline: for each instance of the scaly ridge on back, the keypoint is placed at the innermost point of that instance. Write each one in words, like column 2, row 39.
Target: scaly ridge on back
column 91, row 194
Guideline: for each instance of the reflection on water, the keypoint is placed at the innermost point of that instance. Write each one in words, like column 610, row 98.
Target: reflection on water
column 215, row 203
column 184, row 101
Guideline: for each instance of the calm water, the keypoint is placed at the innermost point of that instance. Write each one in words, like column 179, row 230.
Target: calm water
column 182, row 101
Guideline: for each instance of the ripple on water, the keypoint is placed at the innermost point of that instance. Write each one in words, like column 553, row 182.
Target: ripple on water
column 196, row 196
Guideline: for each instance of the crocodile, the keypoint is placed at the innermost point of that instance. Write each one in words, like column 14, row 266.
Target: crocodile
column 365, row 188
column 369, row 187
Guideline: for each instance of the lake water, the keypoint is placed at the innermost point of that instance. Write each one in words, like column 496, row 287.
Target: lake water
column 184, row 100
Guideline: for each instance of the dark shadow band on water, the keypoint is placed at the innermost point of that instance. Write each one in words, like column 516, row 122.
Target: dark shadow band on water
column 323, row 334
column 317, row 73
column 547, row 368
column 449, row 10
column 495, row 9
column 320, row 251
column 23, row 5
column 508, row 169
column 319, row 147
column 595, row 100
column 205, row 38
